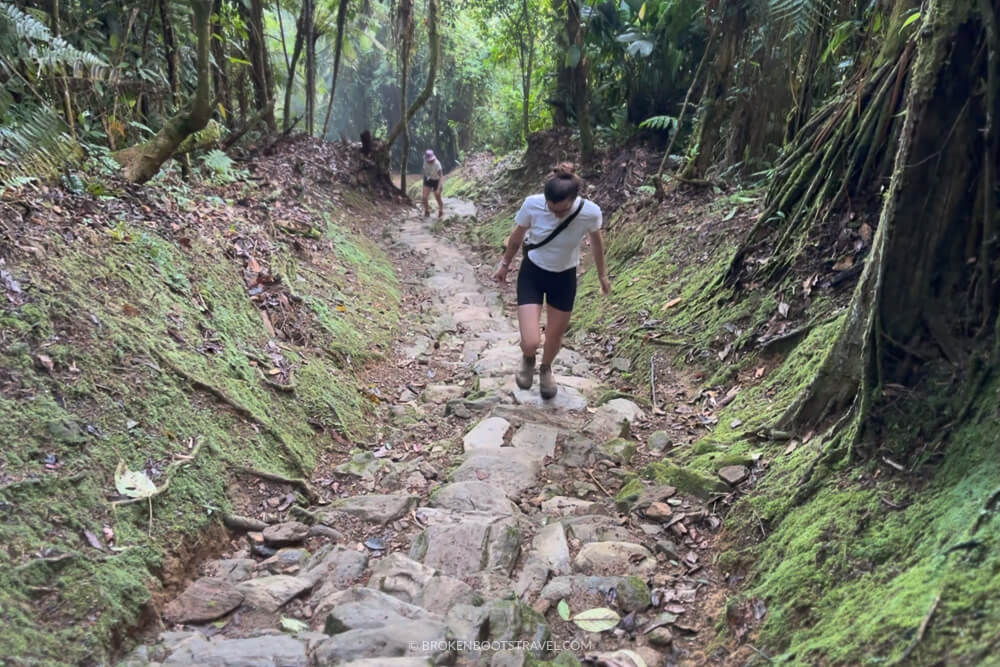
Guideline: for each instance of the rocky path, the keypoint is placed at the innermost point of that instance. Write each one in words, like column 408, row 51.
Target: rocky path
column 492, row 547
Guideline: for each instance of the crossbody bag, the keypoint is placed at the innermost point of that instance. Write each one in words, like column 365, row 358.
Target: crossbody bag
column 555, row 232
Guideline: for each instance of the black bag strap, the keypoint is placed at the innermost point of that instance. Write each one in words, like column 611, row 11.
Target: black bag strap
column 555, row 232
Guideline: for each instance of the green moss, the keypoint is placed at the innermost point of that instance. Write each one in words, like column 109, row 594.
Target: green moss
column 685, row 479
column 633, row 593
column 154, row 347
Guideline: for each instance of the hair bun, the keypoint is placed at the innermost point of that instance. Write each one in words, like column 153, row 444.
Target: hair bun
column 564, row 169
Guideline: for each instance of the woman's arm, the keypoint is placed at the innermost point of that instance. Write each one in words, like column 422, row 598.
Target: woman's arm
column 597, row 245
column 514, row 242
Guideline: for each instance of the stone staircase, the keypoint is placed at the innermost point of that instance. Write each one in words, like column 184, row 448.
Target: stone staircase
column 471, row 572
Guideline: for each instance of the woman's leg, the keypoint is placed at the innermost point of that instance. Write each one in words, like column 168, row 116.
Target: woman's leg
column 556, row 323
column 425, row 193
column 527, row 319
column 437, row 195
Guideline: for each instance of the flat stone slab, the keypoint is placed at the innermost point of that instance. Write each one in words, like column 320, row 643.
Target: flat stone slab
column 358, row 608
column 733, row 475
column 595, row 528
column 612, row 420
column 538, row 439
column 441, row 393
column 632, row 592
column 473, row 496
column 550, row 546
column 373, row 508
column 615, row 558
column 565, row 506
column 265, row 651
column 233, row 570
column 204, row 600
column 390, row 662
column 459, row 544
column 403, row 639
column 487, row 434
column 509, row 470
column 418, row 584
column 290, row 532
column 273, row 592
column 567, row 399
column 335, row 564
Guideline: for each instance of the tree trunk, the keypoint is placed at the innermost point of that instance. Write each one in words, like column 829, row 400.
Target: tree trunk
column 341, row 19
column 296, row 52
column 67, row 101
column 170, row 49
column 260, row 66
column 713, row 110
column 581, row 92
column 141, row 162
column 434, row 40
column 221, row 69
column 918, row 288
column 527, row 69
column 309, row 30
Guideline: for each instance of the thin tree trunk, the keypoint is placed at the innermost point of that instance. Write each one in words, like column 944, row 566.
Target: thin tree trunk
column 341, row 19
column 141, row 162
column 310, row 44
column 281, row 29
column 296, row 52
column 170, row 49
column 67, row 101
column 581, row 94
column 259, row 65
column 434, row 40
column 221, row 71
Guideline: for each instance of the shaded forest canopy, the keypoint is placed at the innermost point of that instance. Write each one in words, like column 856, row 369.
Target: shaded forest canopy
column 853, row 145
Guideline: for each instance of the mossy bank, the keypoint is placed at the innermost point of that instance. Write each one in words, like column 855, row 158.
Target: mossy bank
column 187, row 332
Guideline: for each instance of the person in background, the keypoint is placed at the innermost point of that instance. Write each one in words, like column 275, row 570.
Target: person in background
column 551, row 226
column 433, row 177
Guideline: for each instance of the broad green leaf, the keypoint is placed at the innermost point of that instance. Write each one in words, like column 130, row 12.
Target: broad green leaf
column 634, row 657
column 642, row 12
column 598, row 619
column 730, row 215
column 563, row 609
column 133, row 483
column 293, row 625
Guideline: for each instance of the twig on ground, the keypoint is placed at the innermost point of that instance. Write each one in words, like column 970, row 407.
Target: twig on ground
column 297, row 482
column 236, row 522
column 920, row 630
column 598, row 483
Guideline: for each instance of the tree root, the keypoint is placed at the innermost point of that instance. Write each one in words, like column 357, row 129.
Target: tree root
column 243, row 523
column 297, row 482
column 235, row 405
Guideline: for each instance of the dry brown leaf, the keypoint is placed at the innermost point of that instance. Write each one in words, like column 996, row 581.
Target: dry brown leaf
column 846, row 262
column 46, row 361
column 670, row 304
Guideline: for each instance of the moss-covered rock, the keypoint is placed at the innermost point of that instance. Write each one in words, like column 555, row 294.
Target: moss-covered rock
column 687, row 480
column 628, row 494
column 619, row 451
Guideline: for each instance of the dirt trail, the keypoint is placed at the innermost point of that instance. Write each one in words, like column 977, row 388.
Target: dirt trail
column 471, row 549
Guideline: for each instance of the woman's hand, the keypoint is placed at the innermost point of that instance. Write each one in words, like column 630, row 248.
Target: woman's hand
column 500, row 275
column 605, row 285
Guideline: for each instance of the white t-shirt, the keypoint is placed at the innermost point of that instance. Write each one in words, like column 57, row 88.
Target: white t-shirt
column 432, row 170
column 563, row 252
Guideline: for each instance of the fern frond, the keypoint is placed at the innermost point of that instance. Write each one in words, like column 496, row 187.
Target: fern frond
column 23, row 37
column 802, row 16
column 33, row 142
column 659, row 123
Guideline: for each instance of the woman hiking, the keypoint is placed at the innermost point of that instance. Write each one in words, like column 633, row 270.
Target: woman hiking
column 433, row 177
column 551, row 226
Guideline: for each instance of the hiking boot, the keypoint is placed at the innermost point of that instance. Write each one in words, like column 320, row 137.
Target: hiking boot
column 547, row 382
column 526, row 375
column 427, row 213
column 440, row 212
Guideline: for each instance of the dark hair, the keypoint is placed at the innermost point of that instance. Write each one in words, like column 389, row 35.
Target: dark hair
column 563, row 184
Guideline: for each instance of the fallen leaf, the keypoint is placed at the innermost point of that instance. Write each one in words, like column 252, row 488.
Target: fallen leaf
column 791, row 447
column 293, row 625
column 865, row 232
column 670, row 304
column 481, row 475
column 598, row 619
column 783, row 309
column 46, row 361
column 130, row 310
column 109, row 535
column 133, row 483
column 563, row 609
column 93, row 541
column 845, row 262
column 759, row 372
column 253, row 266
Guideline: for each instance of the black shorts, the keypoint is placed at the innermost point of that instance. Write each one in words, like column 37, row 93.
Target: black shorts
column 431, row 183
column 558, row 287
